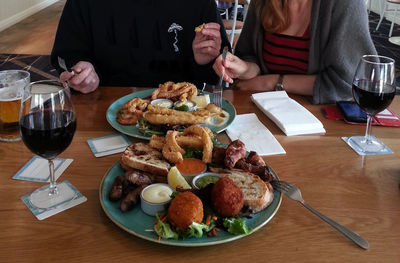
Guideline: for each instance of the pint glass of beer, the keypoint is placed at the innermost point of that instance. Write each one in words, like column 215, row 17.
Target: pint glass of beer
column 12, row 83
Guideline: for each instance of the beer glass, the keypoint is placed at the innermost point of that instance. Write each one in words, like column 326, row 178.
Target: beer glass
column 12, row 84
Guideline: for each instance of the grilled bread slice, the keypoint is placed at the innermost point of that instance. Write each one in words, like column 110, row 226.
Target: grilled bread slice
column 145, row 158
column 257, row 193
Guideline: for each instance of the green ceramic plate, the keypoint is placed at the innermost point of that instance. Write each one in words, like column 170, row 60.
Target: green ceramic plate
column 139, row 224
column 133, row 131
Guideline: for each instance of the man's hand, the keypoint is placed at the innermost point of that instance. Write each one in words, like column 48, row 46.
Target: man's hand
column 83, row 78
column 207, row 44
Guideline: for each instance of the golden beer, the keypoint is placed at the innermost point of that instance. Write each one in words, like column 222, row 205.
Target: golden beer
column 12, row 84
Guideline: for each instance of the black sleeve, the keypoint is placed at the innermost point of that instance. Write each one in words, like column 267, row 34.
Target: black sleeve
column 206, row 73
column 73, row 40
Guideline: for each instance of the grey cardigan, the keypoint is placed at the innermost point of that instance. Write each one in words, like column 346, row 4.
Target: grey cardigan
column 339, row 37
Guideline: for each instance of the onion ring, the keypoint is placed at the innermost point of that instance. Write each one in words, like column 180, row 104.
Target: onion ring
column 207, row 143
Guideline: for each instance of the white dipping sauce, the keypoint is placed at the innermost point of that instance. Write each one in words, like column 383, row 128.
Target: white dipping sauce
column 157, row 193
column 162, row 103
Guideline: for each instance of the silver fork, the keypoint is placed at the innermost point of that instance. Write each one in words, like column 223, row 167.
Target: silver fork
column 61, row 63
column 217, row 92
column 294, row 193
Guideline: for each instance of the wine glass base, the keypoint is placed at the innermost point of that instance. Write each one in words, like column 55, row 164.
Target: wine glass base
column 361, row 146
column 43, row 200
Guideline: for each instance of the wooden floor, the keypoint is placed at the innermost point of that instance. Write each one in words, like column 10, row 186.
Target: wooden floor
column 33, row 35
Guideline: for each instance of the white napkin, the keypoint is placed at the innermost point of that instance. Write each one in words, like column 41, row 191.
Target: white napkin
column 255, row 136
column 290, row 116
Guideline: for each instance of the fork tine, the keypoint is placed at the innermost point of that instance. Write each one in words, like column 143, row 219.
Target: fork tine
column 281, row 186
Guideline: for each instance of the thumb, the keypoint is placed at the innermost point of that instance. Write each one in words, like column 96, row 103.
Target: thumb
column 65, row 76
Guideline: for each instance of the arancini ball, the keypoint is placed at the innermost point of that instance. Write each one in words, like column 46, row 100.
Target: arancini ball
column 185, row 209
column 226, row 197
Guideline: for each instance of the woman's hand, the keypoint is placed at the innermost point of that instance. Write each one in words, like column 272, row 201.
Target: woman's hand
column 233, row 67
column 207, row 44
column 83, row 78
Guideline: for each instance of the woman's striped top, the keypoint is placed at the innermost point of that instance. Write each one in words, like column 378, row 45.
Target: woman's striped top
column 285, row 54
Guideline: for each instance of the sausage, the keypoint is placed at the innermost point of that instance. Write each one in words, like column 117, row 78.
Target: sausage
column 131, row 199
column 137, row 177
column 116, row 190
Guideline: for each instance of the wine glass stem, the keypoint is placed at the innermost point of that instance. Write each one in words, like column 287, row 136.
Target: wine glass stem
column 53, row 187
column 368, row 130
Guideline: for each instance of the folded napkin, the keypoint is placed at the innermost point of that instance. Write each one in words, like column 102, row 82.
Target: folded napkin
column 290, row 116
column 255, row 136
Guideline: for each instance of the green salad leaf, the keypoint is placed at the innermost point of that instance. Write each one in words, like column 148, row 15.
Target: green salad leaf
column 196, row 230
column 164, row 230
column 236, row 226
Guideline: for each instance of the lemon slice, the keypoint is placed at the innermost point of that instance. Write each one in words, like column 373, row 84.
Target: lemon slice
column 201, row 101
column 175, row 179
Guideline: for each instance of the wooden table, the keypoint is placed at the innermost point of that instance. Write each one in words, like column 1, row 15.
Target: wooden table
column 361, row 193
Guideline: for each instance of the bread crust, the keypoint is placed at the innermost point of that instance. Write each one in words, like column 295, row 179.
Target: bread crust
column 145, row 158
column 257, row 193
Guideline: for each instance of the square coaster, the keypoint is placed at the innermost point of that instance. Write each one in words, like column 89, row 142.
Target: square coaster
column 41, row 214
column 108, row 145
column 37, row 169
column 386, row 149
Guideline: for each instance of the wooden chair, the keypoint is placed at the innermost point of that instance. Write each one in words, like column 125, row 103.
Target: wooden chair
column 389, row 6
column 233, row 27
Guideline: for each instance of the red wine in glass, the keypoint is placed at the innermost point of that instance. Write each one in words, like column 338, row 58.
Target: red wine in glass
column 47, row 127
column 373, row 90
column 373, row 97
column 47, row 138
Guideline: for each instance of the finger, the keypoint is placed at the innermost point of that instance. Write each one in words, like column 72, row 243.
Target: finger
column 212, row 25
column 214, row 33
column 91, row 79
column 228, row 79
column 79, row 78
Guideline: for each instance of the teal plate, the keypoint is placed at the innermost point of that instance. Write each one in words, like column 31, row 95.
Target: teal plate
column 133, row 131
column 139, row 224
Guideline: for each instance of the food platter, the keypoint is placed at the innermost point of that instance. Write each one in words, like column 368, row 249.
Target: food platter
column 137, row 223
column 133, row 131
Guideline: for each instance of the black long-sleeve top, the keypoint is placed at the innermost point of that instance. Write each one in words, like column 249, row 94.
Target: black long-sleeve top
column 136, row 42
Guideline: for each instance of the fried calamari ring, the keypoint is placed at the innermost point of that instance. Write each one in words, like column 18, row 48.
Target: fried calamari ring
column 207, row 143
column 171, row 150
column 175, row 91
column 157, row 142
column 191, row 141
column 131, row 111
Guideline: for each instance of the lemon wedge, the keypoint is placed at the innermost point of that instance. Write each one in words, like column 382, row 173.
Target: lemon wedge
column 175, row 179
column 201, row 101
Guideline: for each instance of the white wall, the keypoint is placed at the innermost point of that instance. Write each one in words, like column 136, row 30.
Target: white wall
column 13, row 11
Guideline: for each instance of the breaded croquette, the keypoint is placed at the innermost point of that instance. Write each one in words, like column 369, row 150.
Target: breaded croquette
column 226, row 197
column 185, row 209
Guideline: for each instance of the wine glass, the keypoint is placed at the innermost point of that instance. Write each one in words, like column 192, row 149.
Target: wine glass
column 47, row 126
column 373, row 90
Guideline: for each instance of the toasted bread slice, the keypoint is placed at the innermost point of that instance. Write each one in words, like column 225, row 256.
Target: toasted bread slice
column 257, row 193
column 145, row 158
